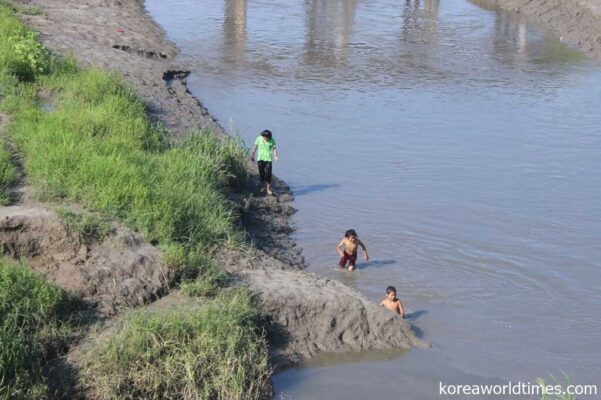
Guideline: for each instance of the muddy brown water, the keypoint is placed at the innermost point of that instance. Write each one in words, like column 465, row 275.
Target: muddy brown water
column 462, row 144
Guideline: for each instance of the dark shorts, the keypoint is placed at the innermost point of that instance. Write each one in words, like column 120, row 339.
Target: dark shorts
column 265, row 171
column 346, row 257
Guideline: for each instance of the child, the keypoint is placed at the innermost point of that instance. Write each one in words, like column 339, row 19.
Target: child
column 266, row 146
column 392, row 303
column 350, row 242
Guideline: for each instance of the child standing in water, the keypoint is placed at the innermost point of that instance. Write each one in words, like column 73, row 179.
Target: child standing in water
column 267, row 153
column 347, row 248
column 392, row 303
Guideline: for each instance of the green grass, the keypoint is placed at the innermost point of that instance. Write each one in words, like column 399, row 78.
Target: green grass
column 8, row 171
column 89, row 227
column 205, row 282
column 207, row 351
column 556, row 386
column 98, row 148
column 35, row 325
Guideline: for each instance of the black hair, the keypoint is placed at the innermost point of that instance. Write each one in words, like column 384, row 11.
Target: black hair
column 350, row 232
column 390, row 289
column 266, row 133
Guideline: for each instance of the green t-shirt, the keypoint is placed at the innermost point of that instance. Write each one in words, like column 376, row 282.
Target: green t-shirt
column 265, row 149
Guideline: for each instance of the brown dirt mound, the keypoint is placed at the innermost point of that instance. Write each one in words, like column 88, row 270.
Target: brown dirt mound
column 122, row 270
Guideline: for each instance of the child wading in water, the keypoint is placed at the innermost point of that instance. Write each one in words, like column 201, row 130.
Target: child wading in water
column 350, row 242
column 267, row 153
column 392, row 303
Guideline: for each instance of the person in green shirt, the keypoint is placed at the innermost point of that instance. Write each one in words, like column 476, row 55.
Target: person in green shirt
column 267, row 154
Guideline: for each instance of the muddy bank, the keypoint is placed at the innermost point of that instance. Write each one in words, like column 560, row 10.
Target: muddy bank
column 577, row 22
column 305, row 313
column 121, row 270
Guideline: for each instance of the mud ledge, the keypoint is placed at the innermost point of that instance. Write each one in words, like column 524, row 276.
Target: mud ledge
column 577, row 22
column 304, row 313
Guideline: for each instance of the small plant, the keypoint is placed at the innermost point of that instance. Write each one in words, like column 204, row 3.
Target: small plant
column 208, row 281
column 31, row 57
column 31, row 10
column 90, row 227
column 556, row 389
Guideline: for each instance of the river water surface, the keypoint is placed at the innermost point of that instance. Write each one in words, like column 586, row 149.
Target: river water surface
column 464, row 147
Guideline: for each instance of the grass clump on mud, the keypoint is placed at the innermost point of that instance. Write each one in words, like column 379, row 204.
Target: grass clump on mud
column 36, row 323
column 95, row 146
column 210, row 350
column 90, row 227
column 8, row 171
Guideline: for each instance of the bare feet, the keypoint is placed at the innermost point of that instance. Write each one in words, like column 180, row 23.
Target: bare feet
column 351, row 268
column 269, row 192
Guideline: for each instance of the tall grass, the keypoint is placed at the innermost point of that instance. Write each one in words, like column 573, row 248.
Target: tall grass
column 8, row 171
column 207, row 351
column 97, row 147
column 34, row 325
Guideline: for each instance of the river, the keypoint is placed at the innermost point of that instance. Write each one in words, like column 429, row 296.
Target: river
column 464, row 147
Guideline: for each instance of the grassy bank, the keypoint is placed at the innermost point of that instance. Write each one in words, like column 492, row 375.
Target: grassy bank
column 206, row 351
column 85, row 137
column 36, row 321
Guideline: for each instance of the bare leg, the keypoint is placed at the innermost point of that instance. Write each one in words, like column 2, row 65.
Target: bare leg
column 268, row 188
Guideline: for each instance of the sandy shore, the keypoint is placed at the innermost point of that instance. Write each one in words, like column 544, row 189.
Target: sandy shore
column 577, row 22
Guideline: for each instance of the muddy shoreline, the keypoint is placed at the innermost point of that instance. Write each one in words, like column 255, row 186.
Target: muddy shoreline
column 576, row 22
column 304, row 313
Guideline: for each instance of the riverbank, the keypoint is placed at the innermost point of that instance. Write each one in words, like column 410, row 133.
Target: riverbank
column 577, row 22
column 300, row 311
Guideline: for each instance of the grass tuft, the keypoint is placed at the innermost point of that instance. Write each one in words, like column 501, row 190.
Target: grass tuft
column 89, row 227
column 35, row 325
column 208, row 351
column 8, row 171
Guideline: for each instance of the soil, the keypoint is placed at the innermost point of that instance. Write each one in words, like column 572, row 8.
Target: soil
column 121, row 271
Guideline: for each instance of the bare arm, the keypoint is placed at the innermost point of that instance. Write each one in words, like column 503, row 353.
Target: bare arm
column 252, row 153
column 275, row 154
column 360, row 243
column 401, row 310
column 340, row 247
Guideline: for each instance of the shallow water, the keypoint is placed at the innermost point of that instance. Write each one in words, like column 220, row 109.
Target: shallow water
column 462, row 144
